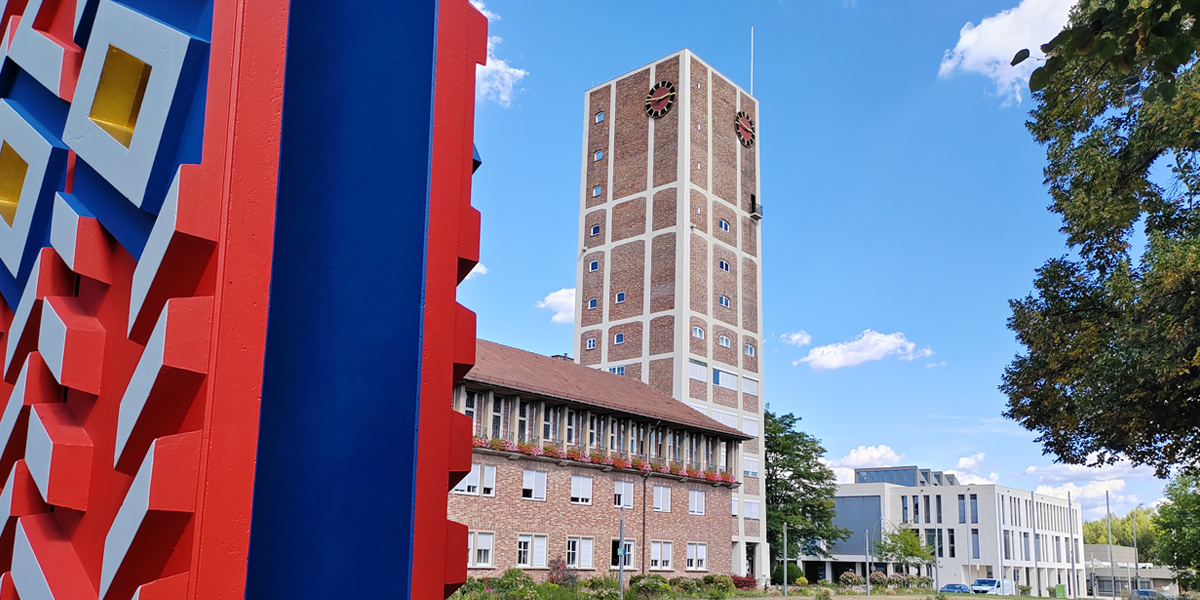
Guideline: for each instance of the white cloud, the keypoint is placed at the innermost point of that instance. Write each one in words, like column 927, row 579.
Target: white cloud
column 562, row 303
column 935, row 365
column 869, row 345
column 969, row 479
column 1091, row 496
column 1061, row 473
column 988, row 48
column 869, row 456
column 478, row 270
column 843, row 474
column 491, row 16
column 495, row 80
column 969, row 464
column 796, row 338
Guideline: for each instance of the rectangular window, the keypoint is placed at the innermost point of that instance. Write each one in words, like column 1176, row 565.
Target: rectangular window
column 697, row 557
column 623, row 494
column 600, row 117
column 938, row 503
column 974, row 543
column 916, row 509
column 660, row 555
column 579, row 552
column 533, row 486
column 930, row 542
column 662, row 498
column 725, row 379
column 735, row 503
column 497, row 416
column 962, row 508
column 617, row 370
column 1007, row 544
column 725, row 418
column 524, row 431
column 697, row 370
column 950, row 534
column 928, row 511
column 941, row 545
column 903, row 509
column 750, row 386
column 581, row 489
column 750, row 426
column 695, row 502
column 751, row 508
column 531, row 550
column 620, row 551
column 974, row 508
column 750, row 467
column 470, row 405
column 485, row 474
column 1025, row 546
column 479, row 549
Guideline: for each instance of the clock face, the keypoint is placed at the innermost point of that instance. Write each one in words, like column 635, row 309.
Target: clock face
column 744, row 126
column 660, row 99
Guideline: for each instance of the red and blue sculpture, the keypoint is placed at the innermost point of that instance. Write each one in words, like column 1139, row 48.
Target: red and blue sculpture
column 232, row 231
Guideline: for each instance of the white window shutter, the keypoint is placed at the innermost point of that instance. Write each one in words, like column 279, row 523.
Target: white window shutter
column 540, row 491
column 655, row 550
column 489, row 477
column 701, row 554
column 527, row 479
column 576, row 486
column 585, row 553
column 471, row 548
column 667, row 499
column 691, row 554
column 539, row 551
column 735, row 502
column 461, row 486
column 587, row 488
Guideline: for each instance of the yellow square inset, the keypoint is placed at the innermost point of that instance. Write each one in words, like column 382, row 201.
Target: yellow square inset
column 12, row 180
column 119, row 94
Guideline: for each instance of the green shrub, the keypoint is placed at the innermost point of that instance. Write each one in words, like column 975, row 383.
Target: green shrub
column 685, row 585
column 649, row 587
column 512, row 580
column 524, row 593
column 850, row 578
column 824, row 593
column 1023, row 589
column 793, row 570
column 602, row 582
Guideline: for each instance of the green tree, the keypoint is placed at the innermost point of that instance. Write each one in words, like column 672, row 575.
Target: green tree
column 1178, row 521
column 1096, row 532
column 800, row 489
column 902, row 546
column 1111, row 365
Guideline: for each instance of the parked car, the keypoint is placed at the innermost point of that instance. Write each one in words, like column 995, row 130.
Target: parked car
column 996, row 587
column 955, row 588
column 1145, row 595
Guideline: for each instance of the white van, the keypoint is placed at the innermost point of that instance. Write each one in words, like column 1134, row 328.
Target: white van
column 996, row 587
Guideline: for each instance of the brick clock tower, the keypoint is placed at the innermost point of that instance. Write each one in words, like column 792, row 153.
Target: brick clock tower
column 669, row 256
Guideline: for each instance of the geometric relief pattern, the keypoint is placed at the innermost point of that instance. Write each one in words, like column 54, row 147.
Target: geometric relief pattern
column 106, row 295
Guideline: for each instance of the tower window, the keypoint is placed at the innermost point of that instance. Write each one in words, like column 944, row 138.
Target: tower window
column 591, row 343
column 596, row 191
column 600, row 117
column 724, row 341
column 723, row 225
column 618, row 339
column 749, row 350
column 697, row 166
column 620, row 297
column 617, row 370
column 595, row 230
column 698, row 332
column 594, row 266
column 592, row 303
column 599, row 155
column 723, row 301
column 723, row 265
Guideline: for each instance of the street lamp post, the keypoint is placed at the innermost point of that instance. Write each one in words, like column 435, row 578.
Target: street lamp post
column 1137, row 574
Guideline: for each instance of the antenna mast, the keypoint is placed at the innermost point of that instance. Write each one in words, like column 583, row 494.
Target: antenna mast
column 751, row 60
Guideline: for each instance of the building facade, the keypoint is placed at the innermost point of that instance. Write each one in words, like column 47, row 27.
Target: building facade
column 1113, row 571
column 669, row 262
column 975, row 531
column 563, row 453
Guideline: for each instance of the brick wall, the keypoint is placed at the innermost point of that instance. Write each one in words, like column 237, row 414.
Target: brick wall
column 699, row 131
column 666, row 127
column 507, row 515
column 596, row 217
column 725, row 283
column 750, row 403
column 697, row 389
column 697, row 345
column 593, row 287
column 748, row 154
column 725, row 397
column 628, row 276
column 662, row 272
column 597, row 170
column 590, row 357
column 699, row 212
column 632, row 348
column 720, row 353
column 629, row 219
column 662, row 334
column 749, row 236
column 749, row 295
column 749, row 363
column 724, row 141
column 664, row 208
column 699, row 281
column 662, row 375
column 632, row 134
column 721, row 212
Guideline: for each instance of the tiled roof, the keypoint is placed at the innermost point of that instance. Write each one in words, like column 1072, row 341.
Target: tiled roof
column 553, row 377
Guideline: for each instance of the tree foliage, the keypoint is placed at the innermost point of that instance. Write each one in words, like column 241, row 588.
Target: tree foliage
column 1178, row 520
column 1111, row 366
column 902, row 546
column 800, row 489
column 1096, row 532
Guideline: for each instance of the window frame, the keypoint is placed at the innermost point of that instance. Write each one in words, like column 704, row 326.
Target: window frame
column 593, row 266
column 630, row 545
column 665, row 550
column 591, row 554
column 600, row 117
column 694, row 561
column 618, row 338
column 598, row 155
column 581, row 499
column 723, row 301
column 722, row 224
column 538, row 475
column 617, row 370
column 594, row 231
column 696, row 507
column 532, row 551
column 698, row 329
column 597, row 190
column 665, row 496
column 626, row 494
column 591, row 343
column 620, row 298
column 749, row 350
column 749, row 472
column 593, row 303
column 724, row 341
column 473, row 546
column 723, row 265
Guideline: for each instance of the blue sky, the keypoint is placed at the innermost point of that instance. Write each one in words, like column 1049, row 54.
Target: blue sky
column 903, row 198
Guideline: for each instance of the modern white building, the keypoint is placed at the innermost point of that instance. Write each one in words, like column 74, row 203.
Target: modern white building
column 977, row 531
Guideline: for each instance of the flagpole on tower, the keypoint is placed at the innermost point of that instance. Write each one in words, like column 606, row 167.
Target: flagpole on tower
column 751, row 60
